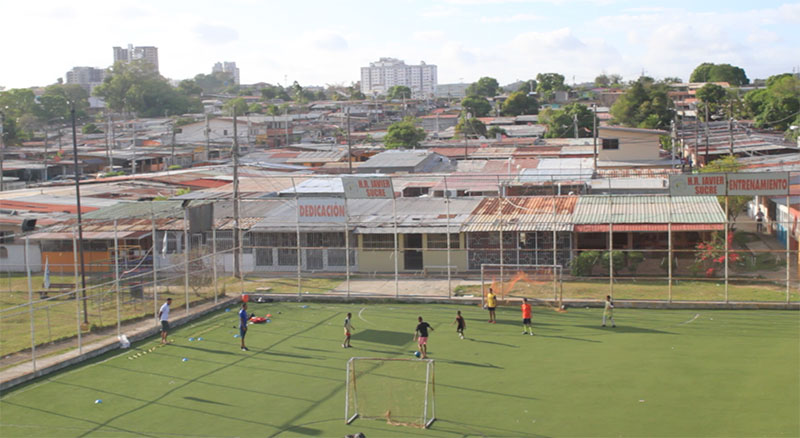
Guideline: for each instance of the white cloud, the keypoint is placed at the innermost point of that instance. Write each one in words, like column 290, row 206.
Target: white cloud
column 215, row 34
column 762, row 36
column 428, row 35
column 516, row 18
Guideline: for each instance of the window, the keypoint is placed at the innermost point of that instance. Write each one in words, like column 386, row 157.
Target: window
column 378, row 241
column 338, row 257
column 287, row 257
column 6, row 237
column 264, row 257
column 439, row 241
column 3, row 252
column 610, row 143
column 324, row 240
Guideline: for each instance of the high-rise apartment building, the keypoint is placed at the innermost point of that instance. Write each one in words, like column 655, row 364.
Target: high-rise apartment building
column 86, row 77
column 388, row 72
column 229, row 68
column 147, row 53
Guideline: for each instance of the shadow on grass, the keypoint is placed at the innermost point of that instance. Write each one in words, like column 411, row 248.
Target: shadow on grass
column 207, row 350
column 626, row 329
column 518, row 322
column 471, row 364
column 203, row 400
column 383, row 337
column 458, row 427
column 296, row 356
column 491, row 342
column 567, row 338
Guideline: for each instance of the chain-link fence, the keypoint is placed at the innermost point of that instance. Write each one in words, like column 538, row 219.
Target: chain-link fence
column 431, row 238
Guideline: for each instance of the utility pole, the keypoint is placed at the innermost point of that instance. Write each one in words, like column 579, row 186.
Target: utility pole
column 286, row 122
column 707, row 135
column 108, row 149
column 45, row 153
column 594, row 132
column 133, row 162
column 466, row 138
column 349, row 154
column 237, row 249
column 2, row 148
column 575, row 124
column 78, row 203
column 730, row 132
column 172, row 160
column 208, row 139
column 672, row 139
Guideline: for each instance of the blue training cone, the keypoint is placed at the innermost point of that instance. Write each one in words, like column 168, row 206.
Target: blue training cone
column 98, row 401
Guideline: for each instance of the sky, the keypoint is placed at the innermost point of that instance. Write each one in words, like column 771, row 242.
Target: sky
column 326, row 42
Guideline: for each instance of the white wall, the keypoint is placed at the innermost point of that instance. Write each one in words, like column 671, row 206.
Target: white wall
column 16, row 258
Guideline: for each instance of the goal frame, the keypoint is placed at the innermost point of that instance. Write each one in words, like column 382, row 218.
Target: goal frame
column 558, row 277
column 429, row 406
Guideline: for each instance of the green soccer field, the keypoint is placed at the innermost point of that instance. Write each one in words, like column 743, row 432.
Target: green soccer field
column 659, row 373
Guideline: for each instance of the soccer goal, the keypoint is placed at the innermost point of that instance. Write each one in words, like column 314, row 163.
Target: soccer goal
column 399, row 391
column 538, row 282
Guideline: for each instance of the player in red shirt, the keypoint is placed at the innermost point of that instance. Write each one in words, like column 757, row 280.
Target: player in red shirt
column 526, row 317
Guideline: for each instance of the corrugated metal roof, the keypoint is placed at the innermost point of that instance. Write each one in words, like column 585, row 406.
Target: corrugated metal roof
column 663, row 228
column 126, row 210
column 539, row 213
column 641, row 209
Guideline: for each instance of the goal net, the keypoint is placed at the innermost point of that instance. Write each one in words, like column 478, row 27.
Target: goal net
column 539, row 282
column 399, row 391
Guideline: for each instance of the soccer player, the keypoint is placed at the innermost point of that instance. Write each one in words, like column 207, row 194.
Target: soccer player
column 491, row 304
column 608, row 312
column 163, row 316
column 348, row 327
column 422, row 333
column 461, row 325
column 526, row 317
column 243, row 317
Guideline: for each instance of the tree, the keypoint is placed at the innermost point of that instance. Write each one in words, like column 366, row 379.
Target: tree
column 520, row 103
column 735, row 203
column 494, row 131
column 644, row 105
column 561, row 123
column 548, row 84
column 398, row 92
column 776, row 106
column 471, row 127
column 274, row 92
column 57, row 101
column 139, row 88
column 238, row 104
column 91, row 128
column 709, row 72
column 478, row 106
column 486, row 87
column 404, row 134
column 189, row 87
column 16, row 104
column 528, row 86
column 712, row 94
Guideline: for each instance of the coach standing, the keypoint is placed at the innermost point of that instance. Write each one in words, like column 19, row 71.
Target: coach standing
column 163, row 316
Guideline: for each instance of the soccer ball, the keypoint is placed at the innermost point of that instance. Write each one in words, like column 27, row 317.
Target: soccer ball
column 417, row 354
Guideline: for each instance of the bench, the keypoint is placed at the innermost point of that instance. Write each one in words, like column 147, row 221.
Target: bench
column 442, row 268
column 60, row 287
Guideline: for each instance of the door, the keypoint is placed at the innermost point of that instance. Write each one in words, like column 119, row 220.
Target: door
column 314, row 259
column 412, row 254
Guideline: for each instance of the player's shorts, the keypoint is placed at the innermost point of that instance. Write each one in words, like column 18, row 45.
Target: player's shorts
column 347, row 334
column 164, row 326
column 460, row 328
column 242, row 331
column 423, row 340
column 491, row 308
column 526, row 321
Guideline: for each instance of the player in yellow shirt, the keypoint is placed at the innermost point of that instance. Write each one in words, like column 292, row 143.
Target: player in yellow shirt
column 491, row 305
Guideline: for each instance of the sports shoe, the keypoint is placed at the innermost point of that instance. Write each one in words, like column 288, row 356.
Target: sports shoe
column 344, row 346
column 462, row 336
column 245, row 349
column 531, row 333
column 524, row 333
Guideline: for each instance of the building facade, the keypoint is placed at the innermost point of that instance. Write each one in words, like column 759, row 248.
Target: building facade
column 147, row 53
column 86, row 77
column 384, row 74
column 229, row 68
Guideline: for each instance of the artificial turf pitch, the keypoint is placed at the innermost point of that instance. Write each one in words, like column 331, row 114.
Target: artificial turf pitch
column 659, row 373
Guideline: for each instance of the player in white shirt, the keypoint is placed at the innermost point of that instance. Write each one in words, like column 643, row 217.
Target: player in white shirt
column 163, row 316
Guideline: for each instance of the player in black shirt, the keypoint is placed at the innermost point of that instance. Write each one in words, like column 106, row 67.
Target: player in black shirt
column 422, row 334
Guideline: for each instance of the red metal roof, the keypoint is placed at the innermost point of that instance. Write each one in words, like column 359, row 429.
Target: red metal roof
column 603, row 228
column 44, row 208
column 205, row 183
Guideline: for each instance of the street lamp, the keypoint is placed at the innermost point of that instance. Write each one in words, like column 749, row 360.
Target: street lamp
column 78, row 202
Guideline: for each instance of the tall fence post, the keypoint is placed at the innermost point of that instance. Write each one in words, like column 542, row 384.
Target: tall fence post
column 727, row 248
column 788, row 247
column 30, row 304
column 299, row 249
column 396, row 249
column 447, row 238
column 669, row 253
column 610, row 241
column 555, row 237
column 155, row 263
column 214, row 259
column 116, row 279
column 347, row 246
column 186, row 256
column 77, row 297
